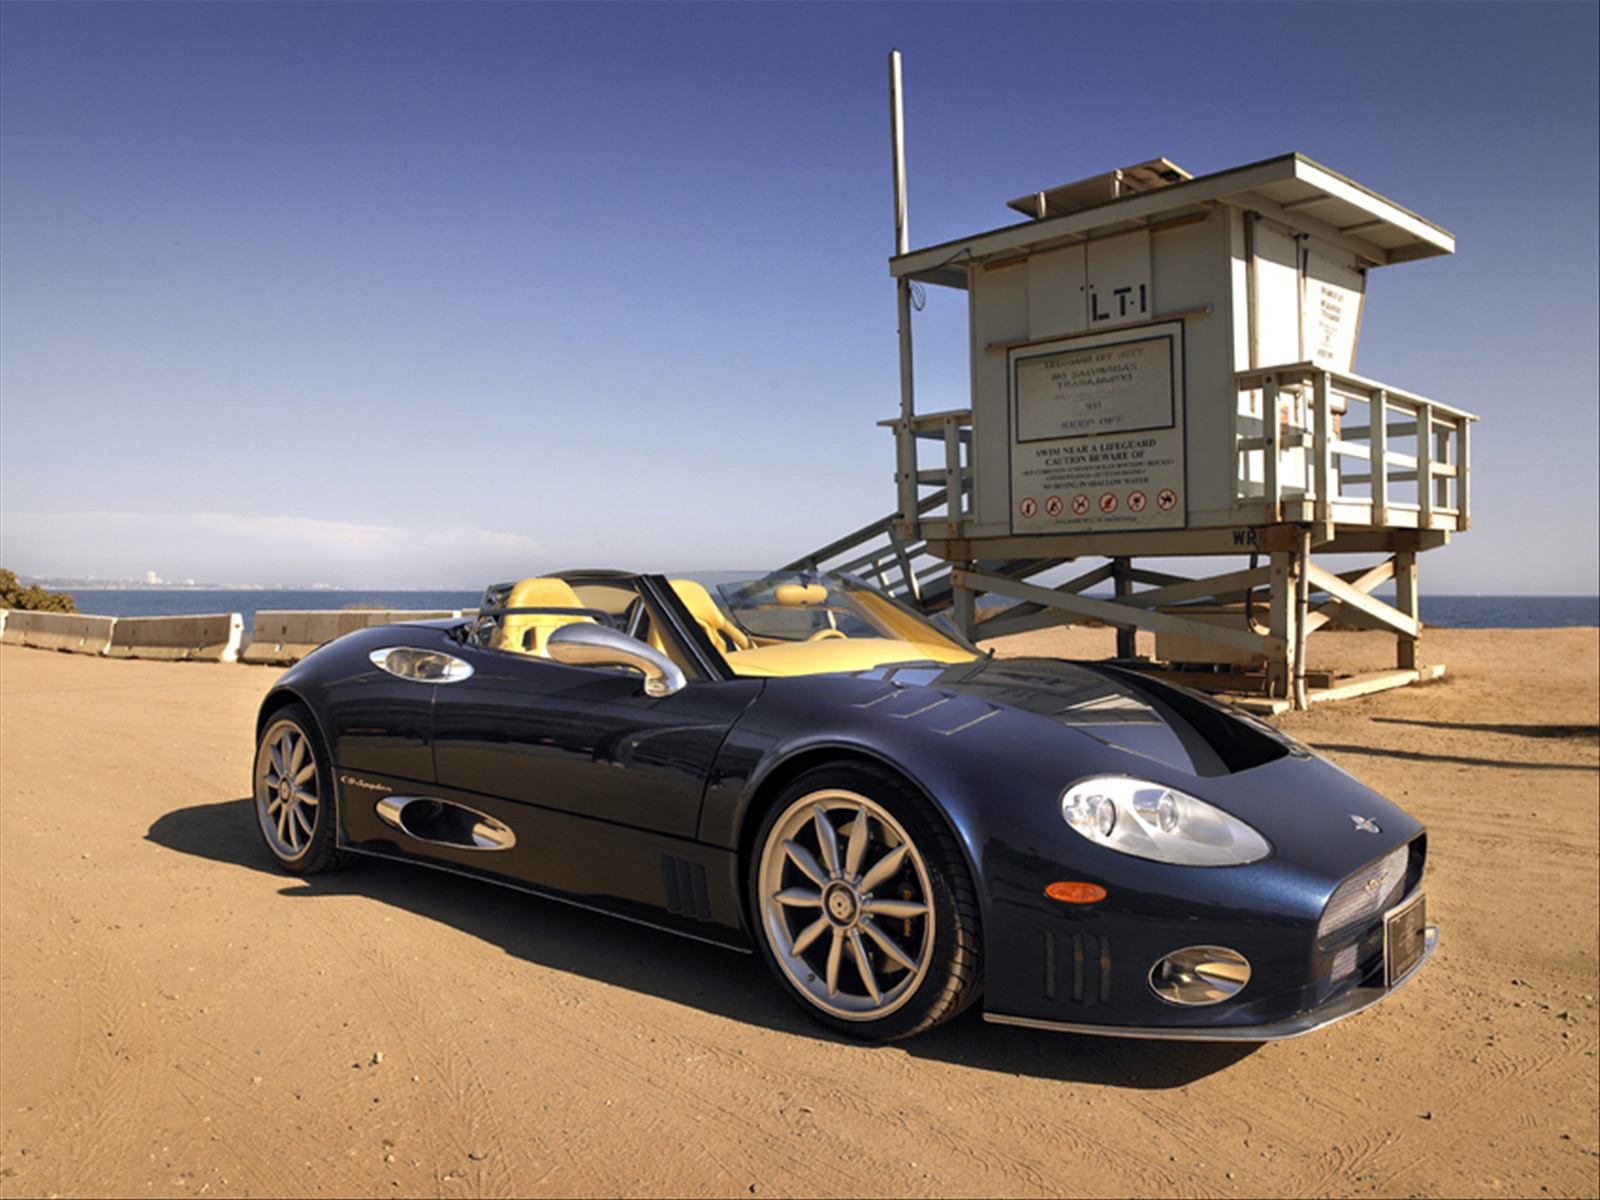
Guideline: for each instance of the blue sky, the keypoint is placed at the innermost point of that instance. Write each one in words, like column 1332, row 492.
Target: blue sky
column 394, row 295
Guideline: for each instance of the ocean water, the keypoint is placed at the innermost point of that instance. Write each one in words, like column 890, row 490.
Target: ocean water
column 1510, row 612
column 1454, row 612
column 184, row 602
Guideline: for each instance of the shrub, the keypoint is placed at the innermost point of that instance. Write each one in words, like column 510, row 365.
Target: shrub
column 32, row 598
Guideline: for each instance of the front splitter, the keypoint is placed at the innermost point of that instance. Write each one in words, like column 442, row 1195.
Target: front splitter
column 1346, row 1005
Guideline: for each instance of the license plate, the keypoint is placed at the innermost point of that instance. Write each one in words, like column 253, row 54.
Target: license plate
column 1405, row 937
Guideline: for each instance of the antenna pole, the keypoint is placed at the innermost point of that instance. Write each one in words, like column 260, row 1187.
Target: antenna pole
column 897, row 134
column 905, row 437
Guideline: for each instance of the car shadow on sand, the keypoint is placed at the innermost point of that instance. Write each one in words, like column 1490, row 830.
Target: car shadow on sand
column 726, row 983
column 1583, row 733
column 1460, row 760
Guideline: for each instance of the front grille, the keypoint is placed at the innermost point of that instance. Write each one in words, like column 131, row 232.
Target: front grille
column 1344, row 965
column 1363, row 897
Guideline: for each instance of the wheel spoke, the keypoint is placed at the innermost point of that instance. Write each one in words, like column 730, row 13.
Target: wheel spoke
column 804, row 860
column 798, row 897
column 888, row 945
column 288, row 800
column 895, row 908
column 856, row 849
column 808, row 935
column 827, row 841
column 839, row 882
column 864, row 965
column 884, row 868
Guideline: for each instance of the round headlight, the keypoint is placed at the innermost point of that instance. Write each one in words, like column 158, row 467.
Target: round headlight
column 1157, row 809
column 1091, row 814
column 1105, row 817
column 1167, row 825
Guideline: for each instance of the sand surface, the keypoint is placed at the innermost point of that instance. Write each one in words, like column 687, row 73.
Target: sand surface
column 180, row 1019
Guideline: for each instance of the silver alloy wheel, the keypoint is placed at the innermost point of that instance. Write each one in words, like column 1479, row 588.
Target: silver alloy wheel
column 288, row 791
column 845, row 904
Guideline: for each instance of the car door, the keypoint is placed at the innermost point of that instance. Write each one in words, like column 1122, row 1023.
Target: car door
column 583, row 740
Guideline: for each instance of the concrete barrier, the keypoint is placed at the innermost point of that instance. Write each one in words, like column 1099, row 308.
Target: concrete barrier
column 288, row 636
column 213, row 637
column 72, row 632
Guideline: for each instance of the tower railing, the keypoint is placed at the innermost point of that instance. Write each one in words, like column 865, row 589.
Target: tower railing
column 1322, row 446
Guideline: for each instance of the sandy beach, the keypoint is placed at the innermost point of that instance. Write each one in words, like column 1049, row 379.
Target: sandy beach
column 181, row 1019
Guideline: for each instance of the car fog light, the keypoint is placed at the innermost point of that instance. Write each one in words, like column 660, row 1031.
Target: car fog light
column 1200, row 975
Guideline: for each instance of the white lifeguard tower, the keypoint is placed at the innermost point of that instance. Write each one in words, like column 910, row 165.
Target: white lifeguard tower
column 1162, row 367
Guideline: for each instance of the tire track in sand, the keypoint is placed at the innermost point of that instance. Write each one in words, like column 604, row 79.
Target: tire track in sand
column 915, row 1124
column 486, row 1161
column 112, row 1038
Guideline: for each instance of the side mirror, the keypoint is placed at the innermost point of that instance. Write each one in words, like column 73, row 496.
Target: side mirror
column 588, row 644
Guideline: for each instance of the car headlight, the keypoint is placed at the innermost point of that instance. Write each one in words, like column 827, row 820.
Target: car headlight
column 1149, row 820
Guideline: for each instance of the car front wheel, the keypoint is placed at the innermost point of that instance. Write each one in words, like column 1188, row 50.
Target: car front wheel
column 293, row 788
column 867, row 912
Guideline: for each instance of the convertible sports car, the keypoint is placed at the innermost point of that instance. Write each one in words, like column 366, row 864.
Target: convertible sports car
column 896, row 822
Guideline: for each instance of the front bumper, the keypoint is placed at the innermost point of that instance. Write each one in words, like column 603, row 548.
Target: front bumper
column 1344, row 1005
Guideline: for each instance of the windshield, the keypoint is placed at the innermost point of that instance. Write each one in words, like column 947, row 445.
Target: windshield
column 807, row 623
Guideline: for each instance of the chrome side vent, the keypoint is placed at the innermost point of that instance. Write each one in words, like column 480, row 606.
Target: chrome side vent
column 684, row 886
column 441, row 823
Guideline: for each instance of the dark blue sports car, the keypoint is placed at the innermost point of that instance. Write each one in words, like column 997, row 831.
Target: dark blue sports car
column 900, row 825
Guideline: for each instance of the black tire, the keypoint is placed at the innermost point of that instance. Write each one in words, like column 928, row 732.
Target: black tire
column 295, row 800
column 876, row 936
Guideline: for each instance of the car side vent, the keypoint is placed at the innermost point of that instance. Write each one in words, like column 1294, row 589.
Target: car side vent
column 1077, row 967
column 684, row 885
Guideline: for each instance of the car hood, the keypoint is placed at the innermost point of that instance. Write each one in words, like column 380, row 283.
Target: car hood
column 1121, row 709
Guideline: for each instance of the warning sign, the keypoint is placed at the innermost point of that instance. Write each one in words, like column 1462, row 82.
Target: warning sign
column 1124, row 387
column 1100, row 419
column 1330, row 313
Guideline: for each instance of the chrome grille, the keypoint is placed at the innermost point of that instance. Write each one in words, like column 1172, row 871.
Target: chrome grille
column 1344, row 965
column 1361, row 898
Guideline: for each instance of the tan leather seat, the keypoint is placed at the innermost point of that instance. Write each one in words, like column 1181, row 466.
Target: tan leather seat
column 724, row 634
column 527, row 633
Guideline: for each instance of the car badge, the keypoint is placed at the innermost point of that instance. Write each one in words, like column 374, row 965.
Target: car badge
column 1365, row 825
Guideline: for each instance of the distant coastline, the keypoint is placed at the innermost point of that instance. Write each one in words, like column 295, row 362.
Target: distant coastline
column 146, row 600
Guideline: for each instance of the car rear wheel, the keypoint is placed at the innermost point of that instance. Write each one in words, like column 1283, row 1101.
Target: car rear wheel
column 294, row 794
column 866, row 910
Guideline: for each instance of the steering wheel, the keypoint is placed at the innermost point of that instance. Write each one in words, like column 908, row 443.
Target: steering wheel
column 820, row 634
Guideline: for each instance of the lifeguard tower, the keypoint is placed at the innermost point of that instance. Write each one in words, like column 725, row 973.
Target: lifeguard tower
column 1161, row 368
